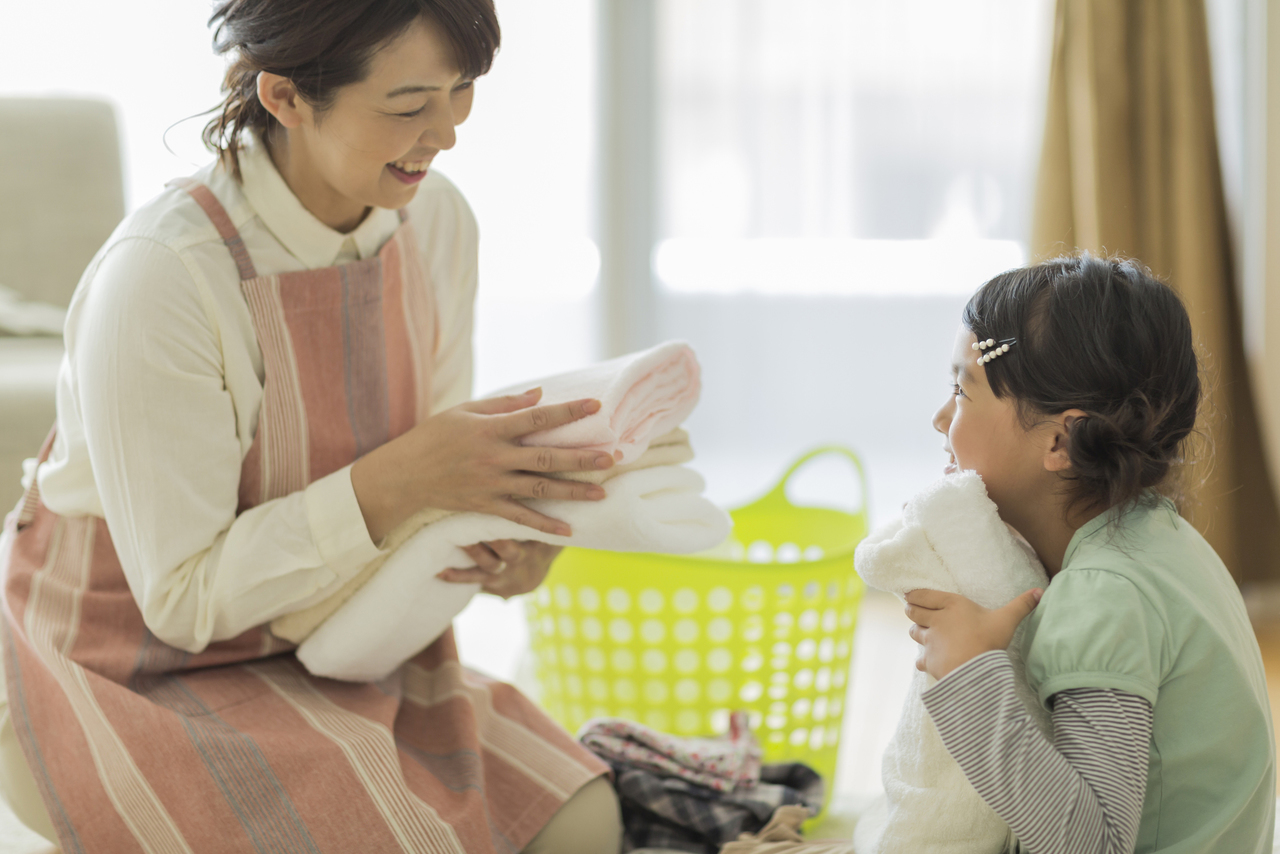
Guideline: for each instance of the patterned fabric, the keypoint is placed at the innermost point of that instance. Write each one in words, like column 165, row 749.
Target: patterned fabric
column 667, row 812
column 722, row 764
column 139, row 746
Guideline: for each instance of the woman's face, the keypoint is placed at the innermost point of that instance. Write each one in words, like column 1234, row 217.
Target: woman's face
column 373, row 146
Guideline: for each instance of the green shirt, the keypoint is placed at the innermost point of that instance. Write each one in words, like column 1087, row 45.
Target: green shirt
column 1147, row 607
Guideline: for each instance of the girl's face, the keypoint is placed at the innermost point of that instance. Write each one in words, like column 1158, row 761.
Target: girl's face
column 985, row 435
column 373, row 146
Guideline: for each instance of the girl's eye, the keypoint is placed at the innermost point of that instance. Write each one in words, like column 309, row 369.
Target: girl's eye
column 956, row 391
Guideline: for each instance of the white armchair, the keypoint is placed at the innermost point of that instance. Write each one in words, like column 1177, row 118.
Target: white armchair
column 61, row 195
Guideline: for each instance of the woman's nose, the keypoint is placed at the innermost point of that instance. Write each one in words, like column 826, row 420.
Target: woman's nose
column 440, row 133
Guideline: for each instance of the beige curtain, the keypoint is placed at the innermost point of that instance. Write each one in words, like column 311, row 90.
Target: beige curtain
column 1130, row 167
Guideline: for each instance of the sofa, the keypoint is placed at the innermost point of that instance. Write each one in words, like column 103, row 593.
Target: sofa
column 62, row 188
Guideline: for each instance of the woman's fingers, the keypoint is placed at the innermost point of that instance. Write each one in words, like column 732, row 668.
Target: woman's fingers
column 523, row 514
column 557, row 460
column 541, row 418
column 485, row 557
column 464, row 576
column 532, row 486
column 506, row 403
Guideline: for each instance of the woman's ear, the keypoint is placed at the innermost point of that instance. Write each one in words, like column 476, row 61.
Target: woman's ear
column 280, row 98
column 1057, row 456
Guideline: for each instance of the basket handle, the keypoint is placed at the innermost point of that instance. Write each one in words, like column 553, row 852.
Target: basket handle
column 778, row 495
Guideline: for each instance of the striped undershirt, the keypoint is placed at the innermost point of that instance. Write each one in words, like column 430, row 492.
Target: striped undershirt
column 1080, row 794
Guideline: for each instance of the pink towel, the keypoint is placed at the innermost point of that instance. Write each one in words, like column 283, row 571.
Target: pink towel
column 642, row 395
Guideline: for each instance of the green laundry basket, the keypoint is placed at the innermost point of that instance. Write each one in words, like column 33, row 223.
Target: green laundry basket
column 677, row 642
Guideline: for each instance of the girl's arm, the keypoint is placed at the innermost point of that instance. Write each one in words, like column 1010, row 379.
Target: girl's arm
column 1081, row 793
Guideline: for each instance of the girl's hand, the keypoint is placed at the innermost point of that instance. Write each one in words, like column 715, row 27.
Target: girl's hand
column 505, row 568
column 953, row 629
column 469, row 458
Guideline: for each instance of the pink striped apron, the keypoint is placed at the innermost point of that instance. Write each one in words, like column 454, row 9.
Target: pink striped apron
column 139, row 746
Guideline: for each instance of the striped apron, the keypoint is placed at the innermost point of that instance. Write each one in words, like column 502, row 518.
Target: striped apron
column 138, row 746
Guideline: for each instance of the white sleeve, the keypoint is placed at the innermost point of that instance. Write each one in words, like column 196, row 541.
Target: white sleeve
column 160, row 427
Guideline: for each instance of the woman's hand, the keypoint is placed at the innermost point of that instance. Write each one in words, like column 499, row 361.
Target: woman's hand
column 505, row 568
column 469, row 458
column 952, row 629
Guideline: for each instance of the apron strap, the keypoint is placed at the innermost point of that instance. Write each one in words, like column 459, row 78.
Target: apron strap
column 217, row 214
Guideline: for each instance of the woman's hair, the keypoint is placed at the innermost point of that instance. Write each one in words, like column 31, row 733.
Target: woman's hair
column 323, row 45
column 1104, row 336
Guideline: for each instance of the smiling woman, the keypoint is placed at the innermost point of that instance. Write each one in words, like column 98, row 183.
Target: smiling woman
column 268, row 367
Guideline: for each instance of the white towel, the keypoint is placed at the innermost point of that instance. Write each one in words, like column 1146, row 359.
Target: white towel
column 642, row 395
column 404, row 607
column 950, row 538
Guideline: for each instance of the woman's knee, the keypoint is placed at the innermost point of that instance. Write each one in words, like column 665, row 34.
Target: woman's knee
column 590, row 822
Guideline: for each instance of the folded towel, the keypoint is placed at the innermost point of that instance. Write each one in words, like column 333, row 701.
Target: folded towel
column 642, row 395
column 782, row 836
column 722, row 764
column 670, row 449
column 403, row 607
column 950, row 538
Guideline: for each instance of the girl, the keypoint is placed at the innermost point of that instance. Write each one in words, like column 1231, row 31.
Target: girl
column 1075, row 388
column 267, row 368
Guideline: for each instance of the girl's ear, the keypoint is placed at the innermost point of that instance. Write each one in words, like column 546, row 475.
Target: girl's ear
column 1057, row 456
column 280, row 98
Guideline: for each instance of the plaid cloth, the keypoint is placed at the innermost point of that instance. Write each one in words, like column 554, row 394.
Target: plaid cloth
column 669, row 812
column 722, row 764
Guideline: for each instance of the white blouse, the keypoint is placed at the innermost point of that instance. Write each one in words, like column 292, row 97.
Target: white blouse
column 159, row 393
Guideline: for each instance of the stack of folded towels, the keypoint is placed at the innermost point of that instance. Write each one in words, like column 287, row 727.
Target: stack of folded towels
column 395, row 606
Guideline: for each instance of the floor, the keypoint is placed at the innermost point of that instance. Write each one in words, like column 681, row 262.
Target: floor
column 881, row 672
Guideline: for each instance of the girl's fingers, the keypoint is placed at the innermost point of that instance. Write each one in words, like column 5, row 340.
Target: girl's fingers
column 920, row 664
column 931, row 599
column 917, row 614
column 917, row 633
column 541, row 418
column 506, row 403
column 531, row 486
column 555, row 459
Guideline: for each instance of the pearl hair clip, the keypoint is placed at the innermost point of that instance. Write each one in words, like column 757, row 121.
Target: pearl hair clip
column 993, row 348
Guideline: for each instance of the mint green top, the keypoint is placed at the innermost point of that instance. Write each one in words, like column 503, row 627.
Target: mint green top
column 1148, row 608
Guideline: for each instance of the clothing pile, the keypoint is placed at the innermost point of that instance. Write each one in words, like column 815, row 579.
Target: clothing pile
column 395, row 606
column 950, row 538
column 696, row 794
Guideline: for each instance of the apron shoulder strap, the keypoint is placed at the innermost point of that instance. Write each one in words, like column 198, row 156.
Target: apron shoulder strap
column 217, row 214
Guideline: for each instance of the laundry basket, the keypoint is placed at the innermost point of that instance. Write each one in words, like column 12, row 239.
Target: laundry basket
column 677, row 642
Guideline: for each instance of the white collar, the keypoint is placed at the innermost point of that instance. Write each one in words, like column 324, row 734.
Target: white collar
column 309, row 240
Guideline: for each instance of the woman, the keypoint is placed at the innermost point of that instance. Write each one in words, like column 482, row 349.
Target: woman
column 267, row 368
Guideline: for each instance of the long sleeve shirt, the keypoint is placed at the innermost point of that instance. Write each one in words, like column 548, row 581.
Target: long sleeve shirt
column 159, row 394
column 1082, row 793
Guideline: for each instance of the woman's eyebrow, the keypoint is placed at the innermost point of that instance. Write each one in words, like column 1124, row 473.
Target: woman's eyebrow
column 411, row 90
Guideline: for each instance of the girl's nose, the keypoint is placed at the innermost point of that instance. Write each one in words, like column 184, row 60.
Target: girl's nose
column 942, row 418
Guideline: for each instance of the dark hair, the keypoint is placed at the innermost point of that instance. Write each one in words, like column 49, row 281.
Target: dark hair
column 1104, row 336
column 323, row 45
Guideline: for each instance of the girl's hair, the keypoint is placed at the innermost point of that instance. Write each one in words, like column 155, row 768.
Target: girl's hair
column 1105, row 336
column 323, row 45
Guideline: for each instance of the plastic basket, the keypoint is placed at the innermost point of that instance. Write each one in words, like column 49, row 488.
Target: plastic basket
column 677, row 642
